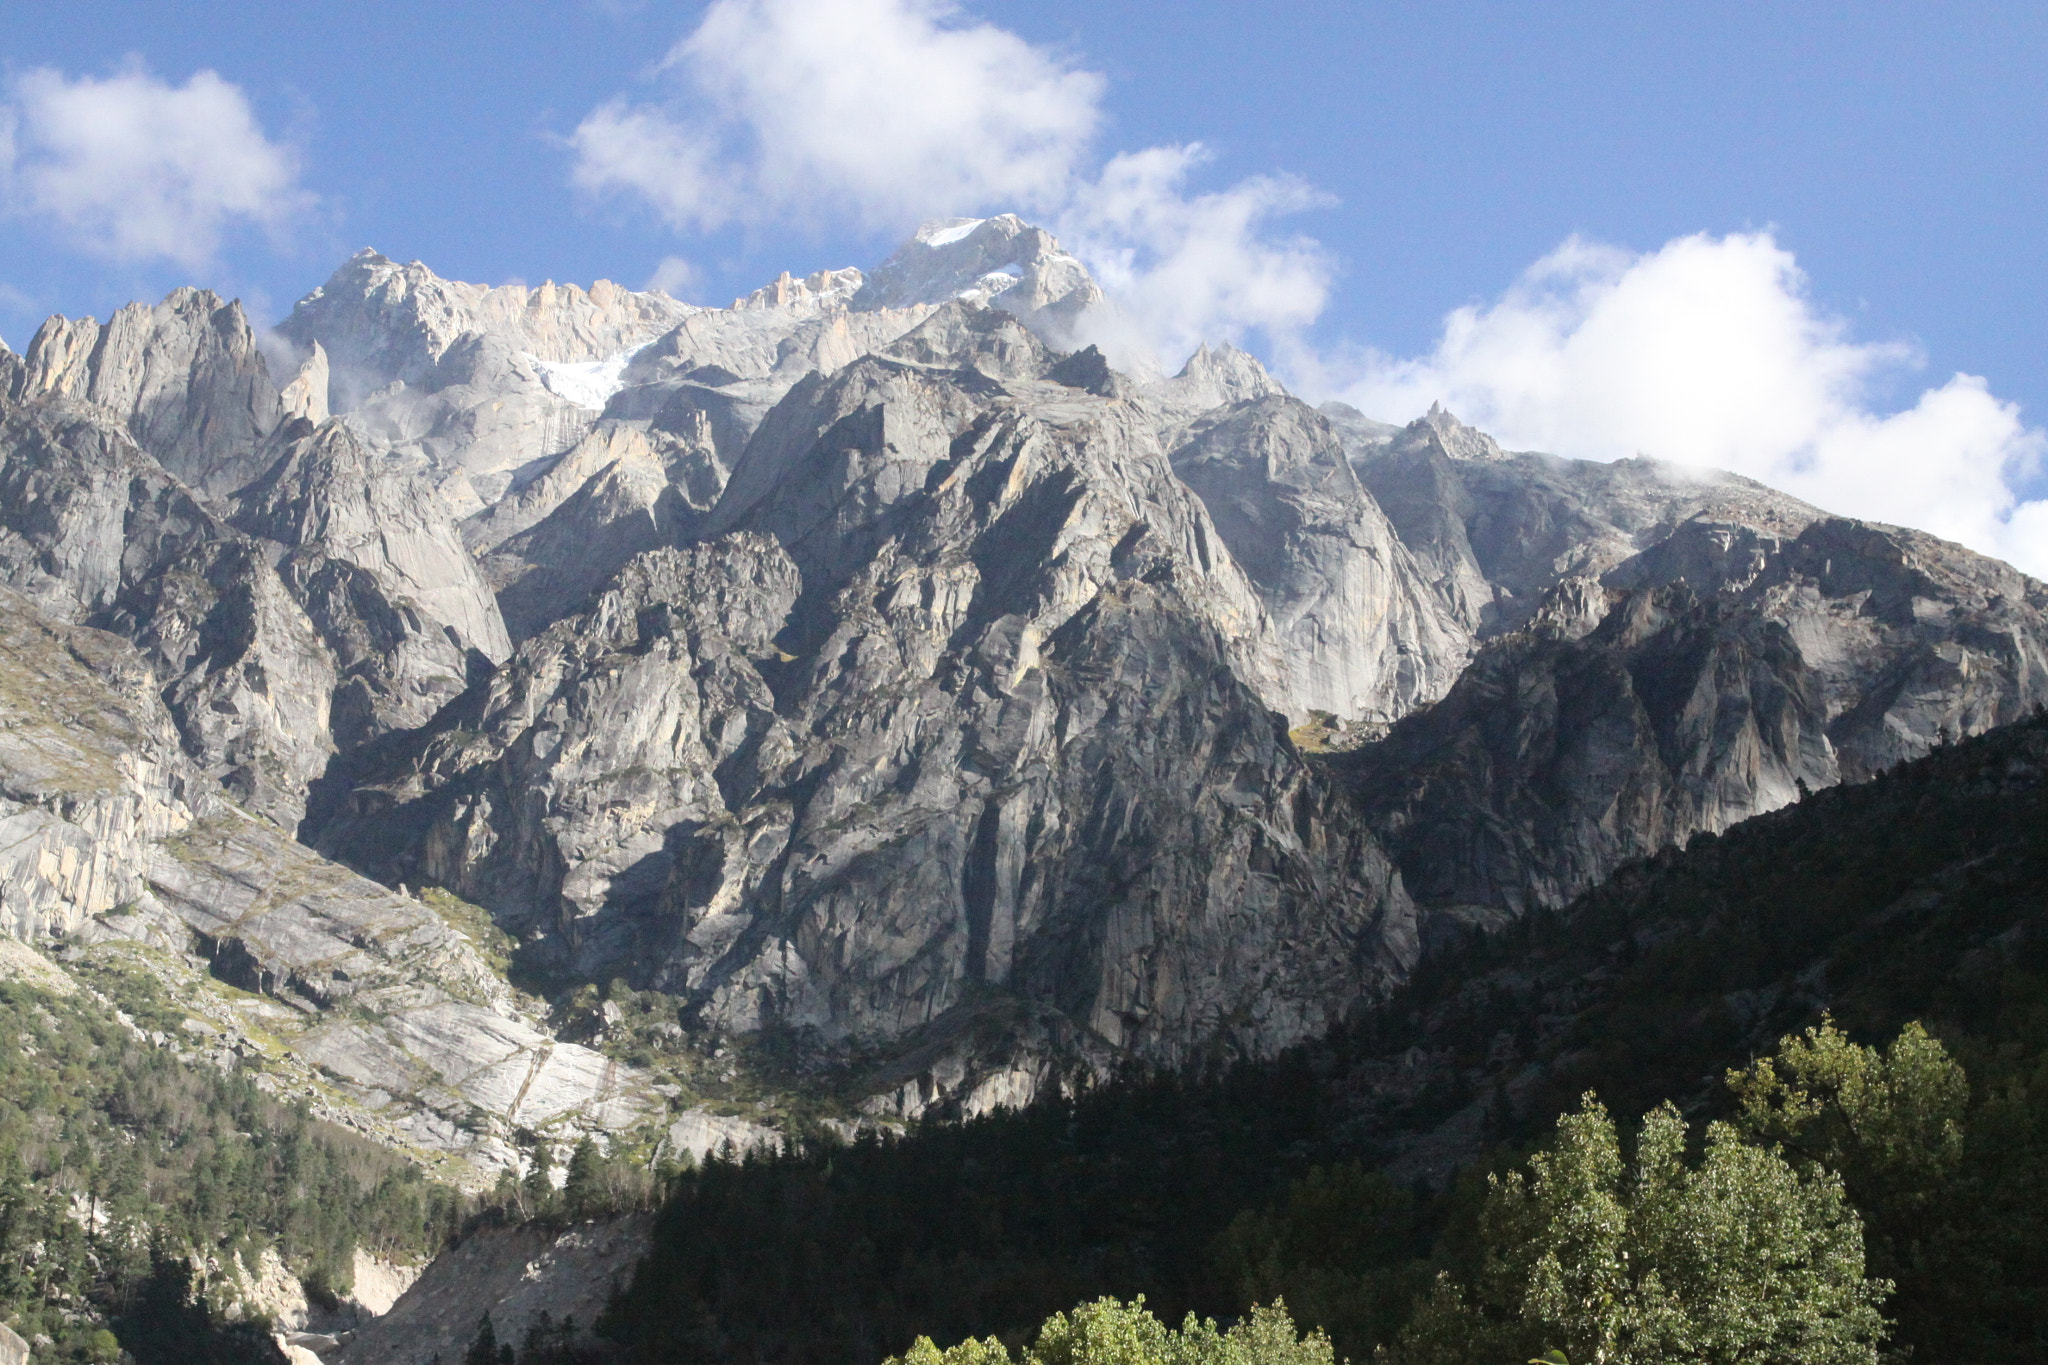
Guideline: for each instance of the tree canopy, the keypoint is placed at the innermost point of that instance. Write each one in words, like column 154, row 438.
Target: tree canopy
column 1656, row 1261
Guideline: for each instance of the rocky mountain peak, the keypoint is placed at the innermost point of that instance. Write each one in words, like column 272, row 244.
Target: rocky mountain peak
column 1002, row 260
column 1234, row 375
column 186, row 376
column 823, row 290
column 1360, row 432
column 12, row 373
column 1454, row 438
column 864, row 653
column 379, row 321
column 305, row 395
column 1213, row 378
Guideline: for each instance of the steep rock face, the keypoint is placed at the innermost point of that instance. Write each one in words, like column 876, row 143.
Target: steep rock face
column 91, row 772
column 516, row 1275
column 823, row 290
column 547, row 793
column 885, row 675
column 1671, row 651
column 483, row 415
column 382, row 574
column 186, row 377
column 992, row 735
column 1707, row 679
column 473, row 382
column 379, row 1009
column 571, row 431
column 95, row 531
column 771, row 339
column 305, row 394
column 1211, row 379
column 13, row 374
column 645, row 476
column 1364, row 634
column 1496, row 531
column 110, row 837
column 325, row 490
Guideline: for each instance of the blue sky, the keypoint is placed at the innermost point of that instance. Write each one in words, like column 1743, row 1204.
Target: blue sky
column 1869, row 181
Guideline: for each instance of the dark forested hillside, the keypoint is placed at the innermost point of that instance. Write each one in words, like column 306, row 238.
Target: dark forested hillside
column 1332, row 1175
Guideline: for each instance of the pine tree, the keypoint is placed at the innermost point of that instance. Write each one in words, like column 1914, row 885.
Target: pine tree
column 584, row 1189
column 484, row 1348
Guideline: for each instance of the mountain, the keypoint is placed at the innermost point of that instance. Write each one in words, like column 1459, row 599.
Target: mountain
column 987, row 727
column 1331, row 1174
column 372, row 557
column 185, row 377
column 379, row 1010
column 1661, row 654
column 1349, row 576
column 1365, row 634
column 96, row 532
column 526, row 716
column 865, row 672
column 1001, row 261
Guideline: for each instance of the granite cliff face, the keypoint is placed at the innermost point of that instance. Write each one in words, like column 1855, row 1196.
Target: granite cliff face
column 1664, row 653
column 94, row 531
column 186, row 378
column 1496, row 531
column 470, row 383
column 372, row 557
column 380, row 322
column 864, row 665
column 1363, row 632
column 91, row 773
column 968, row 719
column 1002, row 261
column 377, row 1009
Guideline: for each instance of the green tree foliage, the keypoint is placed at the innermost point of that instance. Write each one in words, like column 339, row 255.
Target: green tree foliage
column 110, row 1146
column 838, row 1254
column 170, row 1323
column 1953, row 1189
column 1890, row 1122
column 538, row 1195
column 1742, row 1258
column 484, row 1348
column 598, row 1183
column 1109, row 1332
column 1348, row 1249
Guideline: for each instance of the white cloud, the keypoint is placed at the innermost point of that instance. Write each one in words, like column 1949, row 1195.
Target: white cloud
column 879, row 108
column 1189, row 268
column 135, row 168
column 1710, row 352
column 894, row 111
column 672, row 276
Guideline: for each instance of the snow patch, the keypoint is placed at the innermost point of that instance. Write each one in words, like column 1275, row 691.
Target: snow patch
column 587, row 383
column 946, row 231
column 991, row 284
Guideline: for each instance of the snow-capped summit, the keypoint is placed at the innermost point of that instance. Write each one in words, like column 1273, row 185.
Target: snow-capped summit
column 1002, row 261
column 380, row 320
